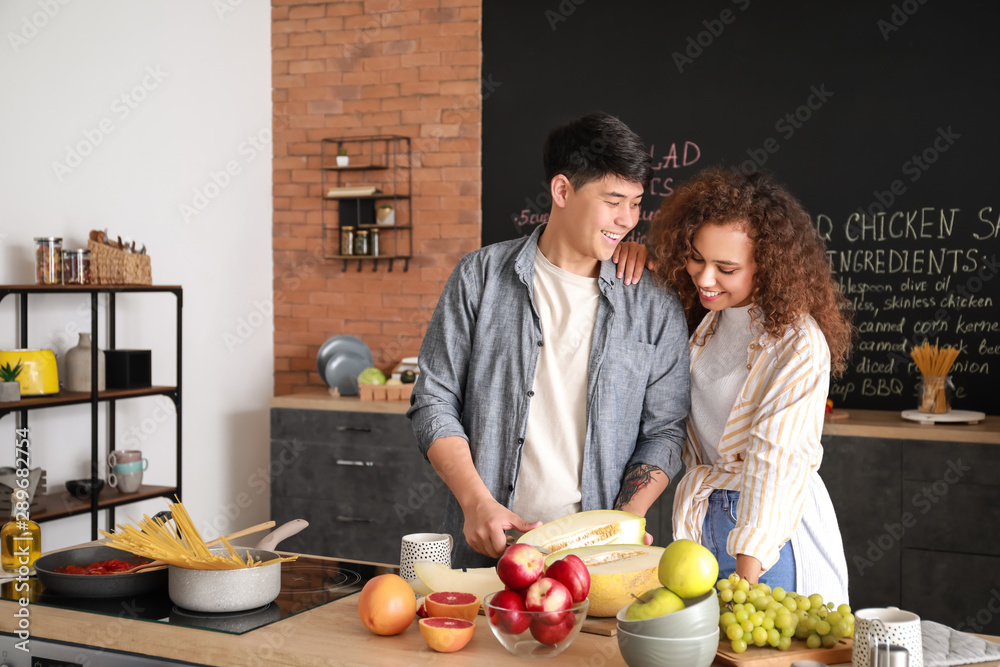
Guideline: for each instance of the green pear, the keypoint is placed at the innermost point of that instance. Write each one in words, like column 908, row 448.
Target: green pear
column 688, row 569
column 657, row 602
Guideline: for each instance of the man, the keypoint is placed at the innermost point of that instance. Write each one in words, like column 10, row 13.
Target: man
column 547, row 386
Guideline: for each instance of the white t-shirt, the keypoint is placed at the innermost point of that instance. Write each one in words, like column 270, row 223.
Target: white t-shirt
column 548, row 481
column 718, row 375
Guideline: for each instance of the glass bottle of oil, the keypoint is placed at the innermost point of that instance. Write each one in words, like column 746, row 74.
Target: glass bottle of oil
column 20, row 538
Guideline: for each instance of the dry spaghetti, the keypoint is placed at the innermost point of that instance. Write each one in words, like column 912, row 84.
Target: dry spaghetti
column 934, row 364
column 155, row 539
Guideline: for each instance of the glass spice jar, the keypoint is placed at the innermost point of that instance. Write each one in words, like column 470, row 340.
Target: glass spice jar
column 48, row 260
column 347, row 240
column 373, row 248
column 361, row 242
column 76, row 267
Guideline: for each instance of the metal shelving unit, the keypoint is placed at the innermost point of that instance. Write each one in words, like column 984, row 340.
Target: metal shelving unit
column 65, row 504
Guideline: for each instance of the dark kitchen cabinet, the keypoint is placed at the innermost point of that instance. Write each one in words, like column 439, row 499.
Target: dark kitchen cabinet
column 356, row 477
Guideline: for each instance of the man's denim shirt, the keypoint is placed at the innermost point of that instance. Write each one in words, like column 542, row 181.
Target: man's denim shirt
column 477, row 368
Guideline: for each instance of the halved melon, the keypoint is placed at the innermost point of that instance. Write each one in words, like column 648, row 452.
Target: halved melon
column 480, row 581
column 617, row 572
column 587, row 529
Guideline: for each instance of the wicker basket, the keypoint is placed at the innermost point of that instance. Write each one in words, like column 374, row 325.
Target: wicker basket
column 110, row 266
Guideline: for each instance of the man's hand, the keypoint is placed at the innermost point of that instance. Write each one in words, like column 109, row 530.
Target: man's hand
column 485, row 523
column 631, row 258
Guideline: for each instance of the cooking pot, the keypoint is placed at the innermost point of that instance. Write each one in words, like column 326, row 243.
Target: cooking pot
column 39, row 373
column 226, row 591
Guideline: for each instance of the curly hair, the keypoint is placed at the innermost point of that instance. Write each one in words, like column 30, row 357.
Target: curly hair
column 793, row 275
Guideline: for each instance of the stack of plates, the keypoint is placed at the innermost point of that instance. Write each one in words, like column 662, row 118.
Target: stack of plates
column 340, row 360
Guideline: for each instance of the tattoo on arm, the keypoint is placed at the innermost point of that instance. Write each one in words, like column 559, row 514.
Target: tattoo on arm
column 637, row 477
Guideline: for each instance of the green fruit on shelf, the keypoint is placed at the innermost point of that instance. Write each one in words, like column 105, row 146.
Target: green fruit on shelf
column 408, row 377
column 371, row 376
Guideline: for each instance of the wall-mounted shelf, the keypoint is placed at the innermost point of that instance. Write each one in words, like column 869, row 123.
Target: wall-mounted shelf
column 379, row 161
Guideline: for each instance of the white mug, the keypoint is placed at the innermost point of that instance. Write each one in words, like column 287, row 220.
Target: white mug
column 433, row 547
column 878, row 627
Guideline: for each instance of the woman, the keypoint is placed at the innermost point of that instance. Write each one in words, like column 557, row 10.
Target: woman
column 768, row 324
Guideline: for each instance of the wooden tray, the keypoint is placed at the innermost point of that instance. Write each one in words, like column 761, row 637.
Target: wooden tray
column 756, row 656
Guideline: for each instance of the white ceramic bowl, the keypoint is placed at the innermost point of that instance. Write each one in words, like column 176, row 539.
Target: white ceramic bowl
column 640, row 651
column 699, row 617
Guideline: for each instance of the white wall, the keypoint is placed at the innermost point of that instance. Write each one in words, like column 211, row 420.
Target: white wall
column 155, row 97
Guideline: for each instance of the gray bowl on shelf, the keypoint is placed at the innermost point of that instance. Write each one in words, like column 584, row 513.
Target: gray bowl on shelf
column 339, row 345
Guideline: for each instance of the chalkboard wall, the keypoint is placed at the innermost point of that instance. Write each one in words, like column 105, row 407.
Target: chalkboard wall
column 880, row 116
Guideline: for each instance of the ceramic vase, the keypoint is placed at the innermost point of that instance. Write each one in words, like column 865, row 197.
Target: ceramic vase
column 78, row 366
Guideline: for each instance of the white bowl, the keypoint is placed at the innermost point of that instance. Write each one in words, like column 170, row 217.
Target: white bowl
column 640, row 651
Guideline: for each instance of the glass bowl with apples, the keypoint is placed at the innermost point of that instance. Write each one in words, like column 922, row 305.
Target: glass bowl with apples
column 541, row 610
column 532, row 634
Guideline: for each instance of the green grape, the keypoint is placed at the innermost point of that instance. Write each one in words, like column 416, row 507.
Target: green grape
column 726, row 595
column 773, row 637
column 743, row 585
column 821, row 612
column 738, row 645
column 748, row 637
column 839, row 630
column 811, row 622
column 757, row 618
column 747, row 625
column 789, row 631
column 804, row 604
column 759, row 636
column 834, row 617
column 785, row 643
column 764, row 588
column 782, row 621
column 739, row 596
column 774, row 606
column 767, row 623
column 734, row 579
column 790, row 604
column 849, row 617
column 723, row 584
column 778, row 594
column 816, row 600
column 727, row 619
column 813, row 641
column 750, row 608
column 801, row 631
column 736, row 607
column 741, row 615
column 828, row 641
column 771, row 614
column 823, row 628
column 844, row 609
column 734, row 632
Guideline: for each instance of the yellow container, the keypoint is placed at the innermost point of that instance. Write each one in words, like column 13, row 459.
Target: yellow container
column 39, row 374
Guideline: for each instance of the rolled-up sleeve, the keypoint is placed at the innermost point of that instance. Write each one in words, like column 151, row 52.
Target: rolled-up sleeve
column 436, row 403
column 784, row 448
column 662, row 430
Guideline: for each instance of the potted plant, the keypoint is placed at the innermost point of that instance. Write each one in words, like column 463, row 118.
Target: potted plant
column 385, row 215
column 342, row 159
column 10, row 388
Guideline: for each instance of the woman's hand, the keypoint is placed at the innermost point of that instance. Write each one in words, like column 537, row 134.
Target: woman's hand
column 631, row 259
column 748, row 568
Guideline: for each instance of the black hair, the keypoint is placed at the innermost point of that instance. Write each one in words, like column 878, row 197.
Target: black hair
column 594, row 146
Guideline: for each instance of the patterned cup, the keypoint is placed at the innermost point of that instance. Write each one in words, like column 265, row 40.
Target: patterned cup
column 434, row 547
column 878, row 628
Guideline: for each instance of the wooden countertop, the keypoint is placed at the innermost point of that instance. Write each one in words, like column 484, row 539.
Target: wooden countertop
column 860, row 423
column 330, row 634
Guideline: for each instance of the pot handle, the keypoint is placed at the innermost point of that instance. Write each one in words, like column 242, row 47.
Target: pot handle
column 280, row 533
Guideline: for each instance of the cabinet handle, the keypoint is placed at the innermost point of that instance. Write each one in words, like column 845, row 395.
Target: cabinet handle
column 354, row 519
column 359, row 429
column 363, row 464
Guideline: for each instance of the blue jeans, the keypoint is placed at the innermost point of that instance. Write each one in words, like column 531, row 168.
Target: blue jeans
column 720, row 521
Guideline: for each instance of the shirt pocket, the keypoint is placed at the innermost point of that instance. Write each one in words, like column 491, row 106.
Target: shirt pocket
column 628, row 371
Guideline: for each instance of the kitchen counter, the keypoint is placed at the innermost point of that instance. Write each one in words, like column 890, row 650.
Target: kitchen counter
column 328, row 635
column 861, row 423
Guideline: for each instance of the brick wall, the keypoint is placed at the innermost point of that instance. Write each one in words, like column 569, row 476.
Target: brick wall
column 405, row 67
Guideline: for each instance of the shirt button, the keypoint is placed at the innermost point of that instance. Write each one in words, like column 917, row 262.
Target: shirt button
column 510, row 488
column 530, row 393
column 520, row 441
column 540, row 343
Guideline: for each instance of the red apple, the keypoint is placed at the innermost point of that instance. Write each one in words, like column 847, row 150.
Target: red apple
column 550, row 596
column 520, row 566
column 553, row 633
column 572, row 573
column 510, row 617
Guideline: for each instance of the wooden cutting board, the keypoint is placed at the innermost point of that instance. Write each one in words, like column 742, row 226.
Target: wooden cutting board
column 600, row 626
column 756, row 656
